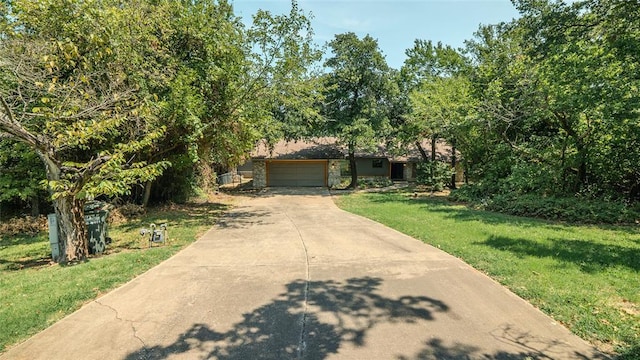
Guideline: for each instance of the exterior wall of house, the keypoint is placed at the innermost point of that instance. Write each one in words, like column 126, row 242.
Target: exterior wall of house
column 409, row 171
column 334, row 175
column 259, row 173
column 246, row 169
column 365, row 167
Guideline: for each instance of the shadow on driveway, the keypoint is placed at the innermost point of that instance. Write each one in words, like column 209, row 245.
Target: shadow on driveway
column 313, row 320
column 349, row 309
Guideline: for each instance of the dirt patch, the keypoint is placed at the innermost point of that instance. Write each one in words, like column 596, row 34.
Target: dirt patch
column 627, row 307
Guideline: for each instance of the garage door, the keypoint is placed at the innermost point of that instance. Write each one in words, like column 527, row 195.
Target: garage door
column 296, row 173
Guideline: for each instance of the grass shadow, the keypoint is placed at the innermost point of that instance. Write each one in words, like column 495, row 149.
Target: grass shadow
column 20, row 252
column 590, row 257
column 14, row 265
column 182, row 214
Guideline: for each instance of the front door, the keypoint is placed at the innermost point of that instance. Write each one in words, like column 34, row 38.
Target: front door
column 397, row 171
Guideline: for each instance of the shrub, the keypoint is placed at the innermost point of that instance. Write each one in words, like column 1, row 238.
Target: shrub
column 28, row 225
column 374, row 182
column 128, row 211
column 572, row 209
column 435, row 174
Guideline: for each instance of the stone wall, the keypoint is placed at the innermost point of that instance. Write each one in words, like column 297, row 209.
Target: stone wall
column 259, row 174
column 408, row 171
column 334, row 175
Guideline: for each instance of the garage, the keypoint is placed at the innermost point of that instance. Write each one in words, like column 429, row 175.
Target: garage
column 297, row 173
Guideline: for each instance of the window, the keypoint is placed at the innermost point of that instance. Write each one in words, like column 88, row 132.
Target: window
column 376, row 163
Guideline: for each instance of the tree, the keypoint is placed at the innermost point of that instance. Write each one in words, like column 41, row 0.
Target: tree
column 586, row 57
column 439, row 98
column 64, row 94
column 21, row 175
column 557, row 94
column 227, row 87
column 440, row 107
column 110, row 94
column 359, row 93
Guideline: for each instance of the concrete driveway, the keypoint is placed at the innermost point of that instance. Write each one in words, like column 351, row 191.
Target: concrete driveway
column 287, row 275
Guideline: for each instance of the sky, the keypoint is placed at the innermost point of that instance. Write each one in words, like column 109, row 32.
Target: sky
column 395, row 24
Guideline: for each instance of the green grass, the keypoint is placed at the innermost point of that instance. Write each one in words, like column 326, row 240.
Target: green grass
column 586, row 277
column 35, row 293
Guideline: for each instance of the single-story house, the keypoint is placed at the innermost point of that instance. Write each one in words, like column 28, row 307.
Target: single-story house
column 322, row 162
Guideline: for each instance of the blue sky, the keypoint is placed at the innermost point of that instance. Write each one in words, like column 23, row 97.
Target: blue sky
column 395, row 24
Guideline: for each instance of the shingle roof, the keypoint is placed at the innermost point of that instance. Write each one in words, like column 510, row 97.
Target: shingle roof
column 318, row 148
column 329, row 148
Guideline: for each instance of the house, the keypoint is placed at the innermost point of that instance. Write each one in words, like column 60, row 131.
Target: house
column 322, row 162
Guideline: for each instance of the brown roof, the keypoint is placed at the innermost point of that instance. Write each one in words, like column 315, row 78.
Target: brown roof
column 319, row 148
column 329, row 148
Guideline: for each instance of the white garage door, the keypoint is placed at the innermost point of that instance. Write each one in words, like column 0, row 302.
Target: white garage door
column 296, row 173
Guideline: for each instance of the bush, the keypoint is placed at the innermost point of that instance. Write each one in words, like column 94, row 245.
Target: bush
column 374, row 182
column 131, row 210
column 28, row 225
column 572, row 209
column 435, row 174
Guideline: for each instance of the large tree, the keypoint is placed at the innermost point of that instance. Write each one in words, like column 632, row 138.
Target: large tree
column 64, row 94
column 359, row 93
column 228, row 86
column 557, row 94
column 432, row 78
column 109, row 94
column 586, row 58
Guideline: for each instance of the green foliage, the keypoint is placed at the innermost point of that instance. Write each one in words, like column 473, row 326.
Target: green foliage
column 358, row 92
column 67, row 96
column 435, row 174
column 356, row 88
column 21, row 173
column 571, row 209
column 111, row 94
column 556, row 92
column 544, row 105
column 374, row 182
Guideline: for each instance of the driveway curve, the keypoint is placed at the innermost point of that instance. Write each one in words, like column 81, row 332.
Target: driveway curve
column 288, row 275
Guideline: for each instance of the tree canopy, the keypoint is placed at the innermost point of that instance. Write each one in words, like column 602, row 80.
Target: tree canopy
column 149, row 99
column 111, row 94
column 358, row 94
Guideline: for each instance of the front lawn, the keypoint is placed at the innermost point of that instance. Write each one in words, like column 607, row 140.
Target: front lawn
column 586, row 277
column 35, row 293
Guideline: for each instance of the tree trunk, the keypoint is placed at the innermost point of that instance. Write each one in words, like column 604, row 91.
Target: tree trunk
column 582, row 162
column 147, row 193
column 69, row 210
column 423, row 153
column 433, row 158
column 434, row 138
column 563, row 165
column 453, row 163
column 71, row 228
column 35, row 206
column 352, row 166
